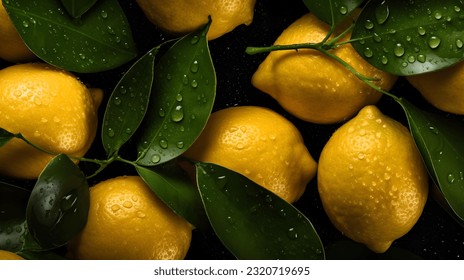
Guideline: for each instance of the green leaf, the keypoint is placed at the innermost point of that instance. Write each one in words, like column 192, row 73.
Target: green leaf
column 76, row 8
column 252, row 222
column 5, row 136
column 13, row 202
column 59, row 203
column 183, row 96
column 99, row 41
column 439, row 140
column 128, row 103
column 174, row 188
column 410, row 37
column 341, row 9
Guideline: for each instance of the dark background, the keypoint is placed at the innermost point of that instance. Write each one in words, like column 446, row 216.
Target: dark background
column 435, row 236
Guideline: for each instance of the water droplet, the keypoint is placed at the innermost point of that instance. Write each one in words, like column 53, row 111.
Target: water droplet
column 434, row 42
column 163, row 143
column 292, row 234
column 127, row 204
column 25, row 24
column 368, row 53
column 110, row 132
column 399, row 50
column 194, row 84
column 384, row 60
column 161, row 112
column 457, row 9
column 438, row 15
column 128, row 130
column 194, row 67
column 155, row 158
column 185, row 80
column 178, row 114
column 377, row 38
column 421, row 30
column 117, row 101
column 411, row 59
column 179, row 97
column 361, row 156
column 110, row 30
column 343, row 10
column 180, row 144
column 421, row 58
column 459, row 43
column 140, row 214
column 382, row 12
column 168, row 76
column 369, row 24
column 194, row 40
column 68, row 201
column 451, row 178
column 104, row 14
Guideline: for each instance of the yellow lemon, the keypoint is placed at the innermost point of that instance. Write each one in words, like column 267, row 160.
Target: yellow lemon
column 49, row 107
column 259, row 144
column 7, row 255
column 313, row 86
column 183, row 16
column 371, row 179
column 442, row 88
column 128, row 221
column 12, row 47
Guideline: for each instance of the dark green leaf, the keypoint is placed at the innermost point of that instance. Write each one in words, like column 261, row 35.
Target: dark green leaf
column 128, row 103
column 13, row 202
column 98, row 41
column 173, row 186
column 341, row 9
column 439, row 140
column 183, row 96
column 5, row 137
column 350, row 250
column 411, row 37
column 58, row 206
column 76, row 8
column 252, row 222
column 44, row 255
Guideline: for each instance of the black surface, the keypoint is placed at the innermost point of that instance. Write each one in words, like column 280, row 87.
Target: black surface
column 435, row 236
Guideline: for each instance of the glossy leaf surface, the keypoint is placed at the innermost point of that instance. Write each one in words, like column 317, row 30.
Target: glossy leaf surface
column 411, row 37
column 128, row 103
column 172, row 185
column 252, row 222
column 440, row 141
column 183, row 95
column 100, row 40
column 13, row 202
column 76, row 8
column 338, row 9
column 5, row 137
column 59, row 203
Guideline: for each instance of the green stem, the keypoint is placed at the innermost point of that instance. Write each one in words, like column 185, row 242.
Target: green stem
column 256, row 50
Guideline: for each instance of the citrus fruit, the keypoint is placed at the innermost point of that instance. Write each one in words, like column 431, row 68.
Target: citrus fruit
column 12, row 47
column 49, row 107
column 313, row 86
column 442, row 88
column 371, row 179
column 126, row 221
column 183, row 16
column 259, row 144
column 7, row 255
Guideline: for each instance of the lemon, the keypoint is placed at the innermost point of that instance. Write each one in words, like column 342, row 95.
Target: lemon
column 7, row 255
column 313, row 86
column 259, row 144
column 183, row 16
column 127, row 221
column 371, row 179
column 442, row 88
column 49, row 107
column 12, row 47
